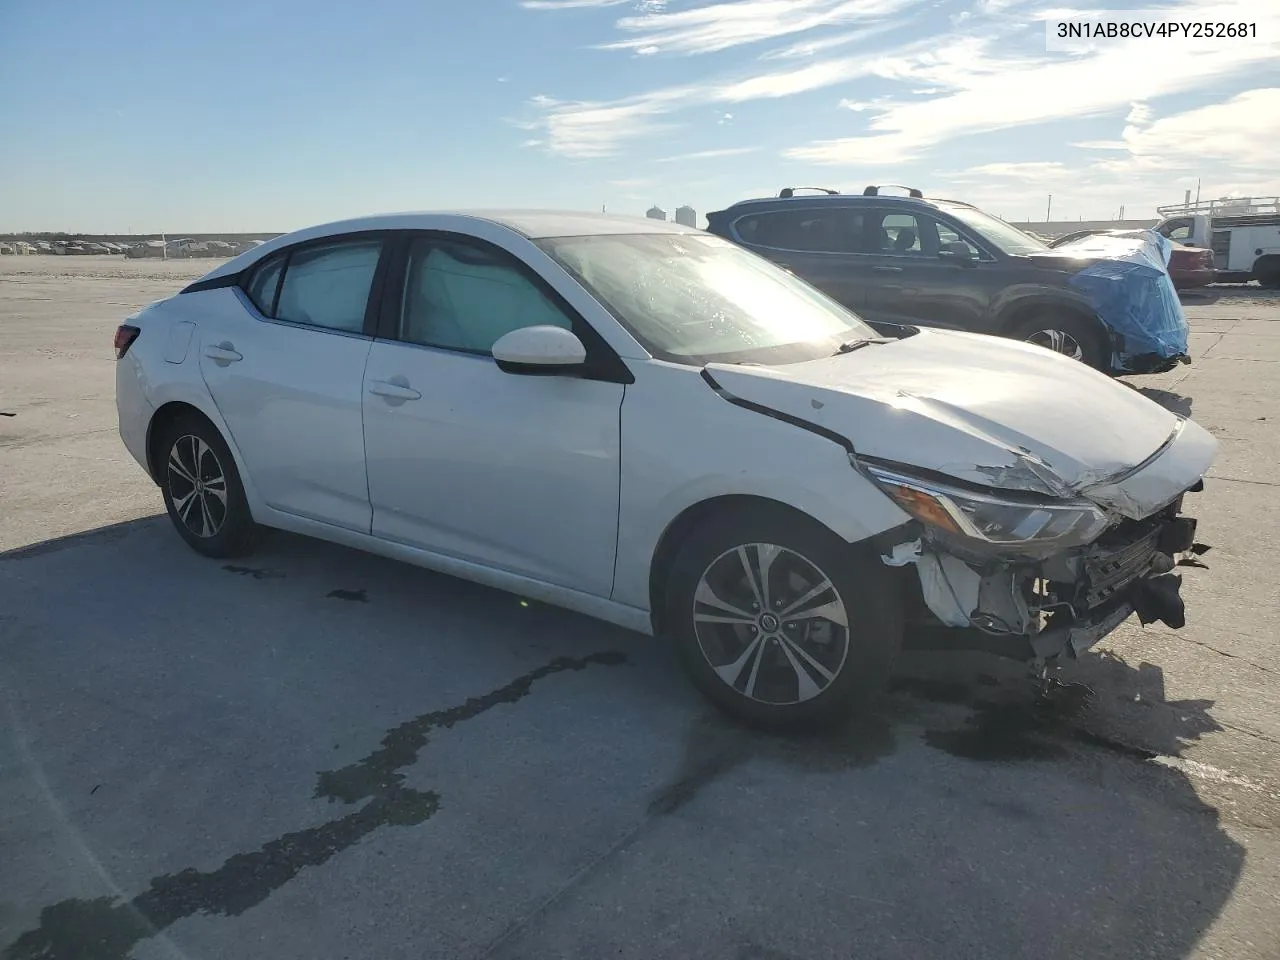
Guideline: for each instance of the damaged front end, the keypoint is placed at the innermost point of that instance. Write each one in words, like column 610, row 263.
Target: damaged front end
column 1030, row 577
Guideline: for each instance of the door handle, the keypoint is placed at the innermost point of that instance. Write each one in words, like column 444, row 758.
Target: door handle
column 397, row 389
column 887, row 269
column 222, row 353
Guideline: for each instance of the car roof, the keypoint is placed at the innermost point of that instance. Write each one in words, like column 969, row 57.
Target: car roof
column 840, row 200
column 532, row 224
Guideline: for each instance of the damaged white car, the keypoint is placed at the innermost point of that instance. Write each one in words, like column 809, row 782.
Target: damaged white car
column 652, row 426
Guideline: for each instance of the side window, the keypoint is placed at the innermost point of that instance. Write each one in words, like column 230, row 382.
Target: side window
column 1180, row 233
column 834, row 230
column 463, row 296
column 900, row 233
column 949, row 240
column 263, row 284
column 328, row 286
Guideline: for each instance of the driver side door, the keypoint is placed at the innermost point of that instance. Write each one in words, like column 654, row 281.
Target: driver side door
column 513, row 472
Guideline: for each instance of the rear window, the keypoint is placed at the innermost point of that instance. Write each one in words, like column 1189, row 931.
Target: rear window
column 263, row 284
column 833, row 230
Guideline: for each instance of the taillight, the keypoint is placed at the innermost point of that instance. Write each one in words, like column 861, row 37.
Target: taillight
column 125, row 335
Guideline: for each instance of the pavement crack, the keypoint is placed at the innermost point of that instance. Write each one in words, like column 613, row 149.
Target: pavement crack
column 1221, row 653
column 1249, row 732
column 1260, row 483
column 106, row 928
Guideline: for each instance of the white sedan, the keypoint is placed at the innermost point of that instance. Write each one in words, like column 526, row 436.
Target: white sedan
column 650, row 425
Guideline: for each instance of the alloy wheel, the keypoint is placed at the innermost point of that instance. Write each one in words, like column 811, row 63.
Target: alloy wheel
column 197, row 486
column 1059, row 341
column 771, row 624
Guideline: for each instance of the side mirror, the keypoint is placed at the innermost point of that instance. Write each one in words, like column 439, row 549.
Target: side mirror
column 542, row 350
column 960, row 252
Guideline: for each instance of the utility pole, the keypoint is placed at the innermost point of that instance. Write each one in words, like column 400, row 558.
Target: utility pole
column 1048, row 208
column 1197, row 191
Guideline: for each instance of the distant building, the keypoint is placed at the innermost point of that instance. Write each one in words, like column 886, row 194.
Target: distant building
column 656, row 213
column 686, row 216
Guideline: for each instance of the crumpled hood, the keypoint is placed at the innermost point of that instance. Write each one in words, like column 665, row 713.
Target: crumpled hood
column 982, row 409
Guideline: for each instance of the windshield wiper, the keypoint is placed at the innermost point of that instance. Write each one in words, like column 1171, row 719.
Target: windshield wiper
column 851, row 345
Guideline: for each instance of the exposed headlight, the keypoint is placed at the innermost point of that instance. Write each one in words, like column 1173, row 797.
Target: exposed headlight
column 990, row 519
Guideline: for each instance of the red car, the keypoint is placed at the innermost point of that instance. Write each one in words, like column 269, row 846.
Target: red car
column 1188, row 266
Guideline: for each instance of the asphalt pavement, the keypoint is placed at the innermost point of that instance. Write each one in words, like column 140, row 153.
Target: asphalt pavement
column 315, row 753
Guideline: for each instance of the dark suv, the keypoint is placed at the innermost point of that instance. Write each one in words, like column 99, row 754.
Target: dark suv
column 912, row 260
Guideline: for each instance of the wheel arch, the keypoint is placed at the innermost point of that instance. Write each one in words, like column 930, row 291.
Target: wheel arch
column 1266, row 270
column 1020, row 311
column 160, row 421
column 695, row 515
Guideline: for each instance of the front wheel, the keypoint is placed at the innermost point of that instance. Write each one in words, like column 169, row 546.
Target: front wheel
column 202, row 490
column 1065, row 333
column 779, row 622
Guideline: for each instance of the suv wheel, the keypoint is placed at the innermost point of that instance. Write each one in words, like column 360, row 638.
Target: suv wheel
column 1067, row 334
column 779, row 622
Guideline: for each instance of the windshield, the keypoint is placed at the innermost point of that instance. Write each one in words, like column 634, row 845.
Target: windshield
column 1006, row 238
column 695, row 298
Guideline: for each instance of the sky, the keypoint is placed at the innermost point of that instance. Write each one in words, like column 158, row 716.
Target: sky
column 270, row 115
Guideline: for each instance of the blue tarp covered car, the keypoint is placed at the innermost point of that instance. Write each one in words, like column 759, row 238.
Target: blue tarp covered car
column 1127, row 282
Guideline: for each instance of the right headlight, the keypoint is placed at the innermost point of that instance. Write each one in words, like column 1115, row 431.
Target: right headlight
column 989, row 518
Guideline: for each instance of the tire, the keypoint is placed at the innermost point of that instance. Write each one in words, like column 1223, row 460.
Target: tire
column 763, row 680
column 212, row 524
column 1067, row 333
column 1267, row 272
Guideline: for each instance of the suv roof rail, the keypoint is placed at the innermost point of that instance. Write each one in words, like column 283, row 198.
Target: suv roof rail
column 958, row 203
column 787, row 193
column 874, row 191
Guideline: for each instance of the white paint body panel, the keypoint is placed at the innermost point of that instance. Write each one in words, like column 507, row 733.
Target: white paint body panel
column 683, row 444
column 293, row 403
column 982, row 409
column 515, row 472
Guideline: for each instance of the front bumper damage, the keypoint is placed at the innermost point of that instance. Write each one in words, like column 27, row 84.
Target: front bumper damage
column 1050, row 608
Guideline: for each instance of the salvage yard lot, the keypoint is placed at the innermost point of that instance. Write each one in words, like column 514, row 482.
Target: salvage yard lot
column 318, row 753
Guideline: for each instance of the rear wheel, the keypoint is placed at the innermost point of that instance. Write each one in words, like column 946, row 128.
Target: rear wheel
column 1267, row 272
column 779, row 622
column 202, row 490
column 1065, row 333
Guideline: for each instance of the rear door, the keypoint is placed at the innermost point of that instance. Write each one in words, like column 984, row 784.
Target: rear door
column 812, row 242
column 285, row 366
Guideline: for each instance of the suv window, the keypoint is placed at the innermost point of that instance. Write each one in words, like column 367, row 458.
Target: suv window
column 328, row 286
column 899, row 233
column 949, row 238
column 465, row 296
column 833, row 230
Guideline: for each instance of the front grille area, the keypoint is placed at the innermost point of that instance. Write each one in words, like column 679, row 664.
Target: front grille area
column 1110, row 568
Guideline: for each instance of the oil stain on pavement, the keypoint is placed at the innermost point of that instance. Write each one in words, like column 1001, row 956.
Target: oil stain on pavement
column 107, row 929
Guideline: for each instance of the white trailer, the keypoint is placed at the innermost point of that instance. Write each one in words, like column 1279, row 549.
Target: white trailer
column 1242, row 232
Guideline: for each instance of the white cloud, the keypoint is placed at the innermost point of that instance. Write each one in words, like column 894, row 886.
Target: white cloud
column 1035, row 170
column 593, row 129
column 1230, row 145
column 1101, row 145
column 1243, row 131
column 720, row 26
column 709, row 154
column 987, row 91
